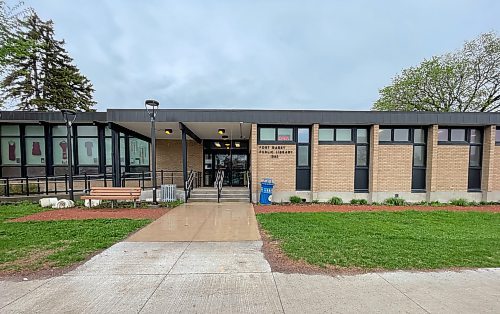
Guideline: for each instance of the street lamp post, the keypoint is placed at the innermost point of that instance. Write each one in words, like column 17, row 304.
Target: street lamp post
column 152, row 108
column 69, row 116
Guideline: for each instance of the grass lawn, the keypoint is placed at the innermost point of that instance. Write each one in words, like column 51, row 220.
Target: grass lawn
column 389, row 240
column 30, row 246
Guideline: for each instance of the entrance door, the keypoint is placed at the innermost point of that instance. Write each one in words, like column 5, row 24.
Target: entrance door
column 230, row 156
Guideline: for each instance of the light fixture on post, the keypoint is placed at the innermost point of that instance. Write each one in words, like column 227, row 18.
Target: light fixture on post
column 69, row 117
column 168, row 131
column 221, row 131
column 152, row 109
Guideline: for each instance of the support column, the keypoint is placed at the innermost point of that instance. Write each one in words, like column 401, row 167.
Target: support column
column 115, row 161
column 314, row 161
column 254, row 153
column 184, row 160
column 373, row 176
column 432, row 155
column 488, row 165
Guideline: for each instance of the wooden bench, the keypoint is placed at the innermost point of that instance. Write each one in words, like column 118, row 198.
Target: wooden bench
column 113, row 194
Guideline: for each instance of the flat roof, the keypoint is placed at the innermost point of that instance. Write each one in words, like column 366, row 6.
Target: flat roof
column 306, row 117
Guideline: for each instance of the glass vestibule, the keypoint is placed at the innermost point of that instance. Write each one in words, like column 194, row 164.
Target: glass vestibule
column 230, row 156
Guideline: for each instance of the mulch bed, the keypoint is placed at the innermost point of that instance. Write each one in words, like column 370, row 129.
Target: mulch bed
column 81, row 214
column 314, row 208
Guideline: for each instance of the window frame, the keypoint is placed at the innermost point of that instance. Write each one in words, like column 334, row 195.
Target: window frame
column 409, row 141
column 497, row 136
column 419, row 168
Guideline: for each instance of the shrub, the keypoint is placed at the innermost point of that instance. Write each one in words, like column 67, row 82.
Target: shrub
column 295, row 199
column 436, row 203
column 459, row 202
column 395, row 201
column 315, row 202
column 360, row 201
column 336, row 201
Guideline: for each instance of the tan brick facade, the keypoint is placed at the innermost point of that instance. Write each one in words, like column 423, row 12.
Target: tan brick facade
column 281, row 169
column 496, row 172
column 452, row 168
column 394, row 168
column 336, row 166
column 169, row 155
column 315, row 170
column 373, row 177
column 488, row 168
column 432, row 153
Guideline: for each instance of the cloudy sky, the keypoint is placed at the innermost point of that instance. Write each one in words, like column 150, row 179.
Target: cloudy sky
column 257, row 54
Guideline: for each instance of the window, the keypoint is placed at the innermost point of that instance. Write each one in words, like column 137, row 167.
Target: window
column 303, row 135
column 88, row 146
column 34, row 142
column 418, row 180
column 475, row 136
column 475, row 156
column 10, row 146
column 326, row 135
column 302, row 156
column 362, row 156
column 340, row 135
column 419, row 156
column 419, row 136
column 268, row 134
column 497, row 135
column 391, row 135
column 457, row 135
column 139, row 152
column 361, row 136
column 401, row 135
column 443, row 135
column 384, row 135
column 285, row 135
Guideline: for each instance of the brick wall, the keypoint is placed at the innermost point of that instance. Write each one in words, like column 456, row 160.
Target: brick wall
column 488, row 163
column 496, row 172
column 452, row 168
column 373, row 177
column 336, row 168
column 169, row 155
column 281, row 168
column 432, row 153
column 315, row 171
column 254, row 157
column 394, row 168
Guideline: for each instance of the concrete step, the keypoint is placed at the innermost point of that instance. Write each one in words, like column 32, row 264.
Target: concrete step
column 239, row 199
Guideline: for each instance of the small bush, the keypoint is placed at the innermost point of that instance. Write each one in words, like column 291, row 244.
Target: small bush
column 295, row 199
column 336, row 201
column 315, row 202
column 436, row 203
column 459, row 202
column 360, row 201
column 395, row 201
column 172, row 204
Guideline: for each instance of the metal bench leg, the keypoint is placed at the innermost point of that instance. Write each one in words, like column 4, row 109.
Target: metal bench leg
column 112, row 204
column 135, row 204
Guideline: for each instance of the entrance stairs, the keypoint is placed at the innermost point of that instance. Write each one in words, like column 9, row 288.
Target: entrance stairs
column 229, row 194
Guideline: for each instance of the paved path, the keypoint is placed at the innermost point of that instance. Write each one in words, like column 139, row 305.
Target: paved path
column 196, row 276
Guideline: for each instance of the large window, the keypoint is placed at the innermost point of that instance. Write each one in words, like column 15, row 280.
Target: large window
column 335, row 135
column 280, row 134
column 418, row 182
column 34, row 141
column 10, row 141
column 60, row 150
column 303, row 172
column 87, row 142
column 361, row 173
column 394, row 135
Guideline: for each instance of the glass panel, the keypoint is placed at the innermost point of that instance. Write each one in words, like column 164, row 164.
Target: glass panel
column 34, row 130
column 303, row 135
column 497, row 135
column 326, row 135
column 285, row 134
column 239, row 162
column 303, row 156
column 107, row 131
column 109, row 156
column 35, row 151
column 384, row 135
column 60, row 151
column 122, row 151
column 87, row 130
column 401, row 135
column 475, row 136
column 139, row 152
column 88, row 151
column 457, row 135
column 10, row 130
column 362, row 156
column 59, row 130
column 475, row 156
column 11, row 151
column 343, row 135
column 419, row 136
column 443, row 135
column 362, row 136
column 267, row 134
column 419, row 156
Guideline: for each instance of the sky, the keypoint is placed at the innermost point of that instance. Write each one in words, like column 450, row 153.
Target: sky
column 257, row 54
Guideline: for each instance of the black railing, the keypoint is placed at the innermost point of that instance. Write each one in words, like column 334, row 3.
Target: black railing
column 50, row 185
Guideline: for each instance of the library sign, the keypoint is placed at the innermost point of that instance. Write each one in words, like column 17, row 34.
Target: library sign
column 276, row 150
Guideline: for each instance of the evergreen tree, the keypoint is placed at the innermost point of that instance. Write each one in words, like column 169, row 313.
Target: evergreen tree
column 45, row 78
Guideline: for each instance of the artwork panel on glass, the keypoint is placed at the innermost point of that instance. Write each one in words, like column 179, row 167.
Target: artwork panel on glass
column 35, row 151
column 11, row 150
column 88, row 152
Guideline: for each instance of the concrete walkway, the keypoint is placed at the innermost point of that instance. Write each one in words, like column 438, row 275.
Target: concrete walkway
column 188, row 275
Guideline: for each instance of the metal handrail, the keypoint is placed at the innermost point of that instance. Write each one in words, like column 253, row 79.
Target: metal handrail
column 249, row 183
column 219, row 179
column 189, row 184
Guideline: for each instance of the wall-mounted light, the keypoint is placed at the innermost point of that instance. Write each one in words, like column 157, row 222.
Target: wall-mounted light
column 168, row 131
column 217, row 144
column 237, row 144
column 221, row 131
column 227, row 144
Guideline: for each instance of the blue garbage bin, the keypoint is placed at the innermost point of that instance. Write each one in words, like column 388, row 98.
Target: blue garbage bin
column 266, row 191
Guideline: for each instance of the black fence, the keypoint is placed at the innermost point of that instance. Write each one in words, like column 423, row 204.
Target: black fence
column 50, row 185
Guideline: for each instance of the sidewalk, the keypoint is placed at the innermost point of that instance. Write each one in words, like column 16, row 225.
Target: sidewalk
column 189, row 275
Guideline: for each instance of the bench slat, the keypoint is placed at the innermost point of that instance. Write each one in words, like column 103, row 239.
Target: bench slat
column 107, row 197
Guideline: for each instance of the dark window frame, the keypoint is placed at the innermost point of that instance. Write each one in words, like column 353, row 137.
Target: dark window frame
column 392, row 141
column 76, row 139
column 497, row 138
column 334, row 141
column 417, row 168
column 476, row 169
column 358, row 170
column 276, row 141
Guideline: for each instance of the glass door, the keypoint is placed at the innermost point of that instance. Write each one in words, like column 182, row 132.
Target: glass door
column 239, row 169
